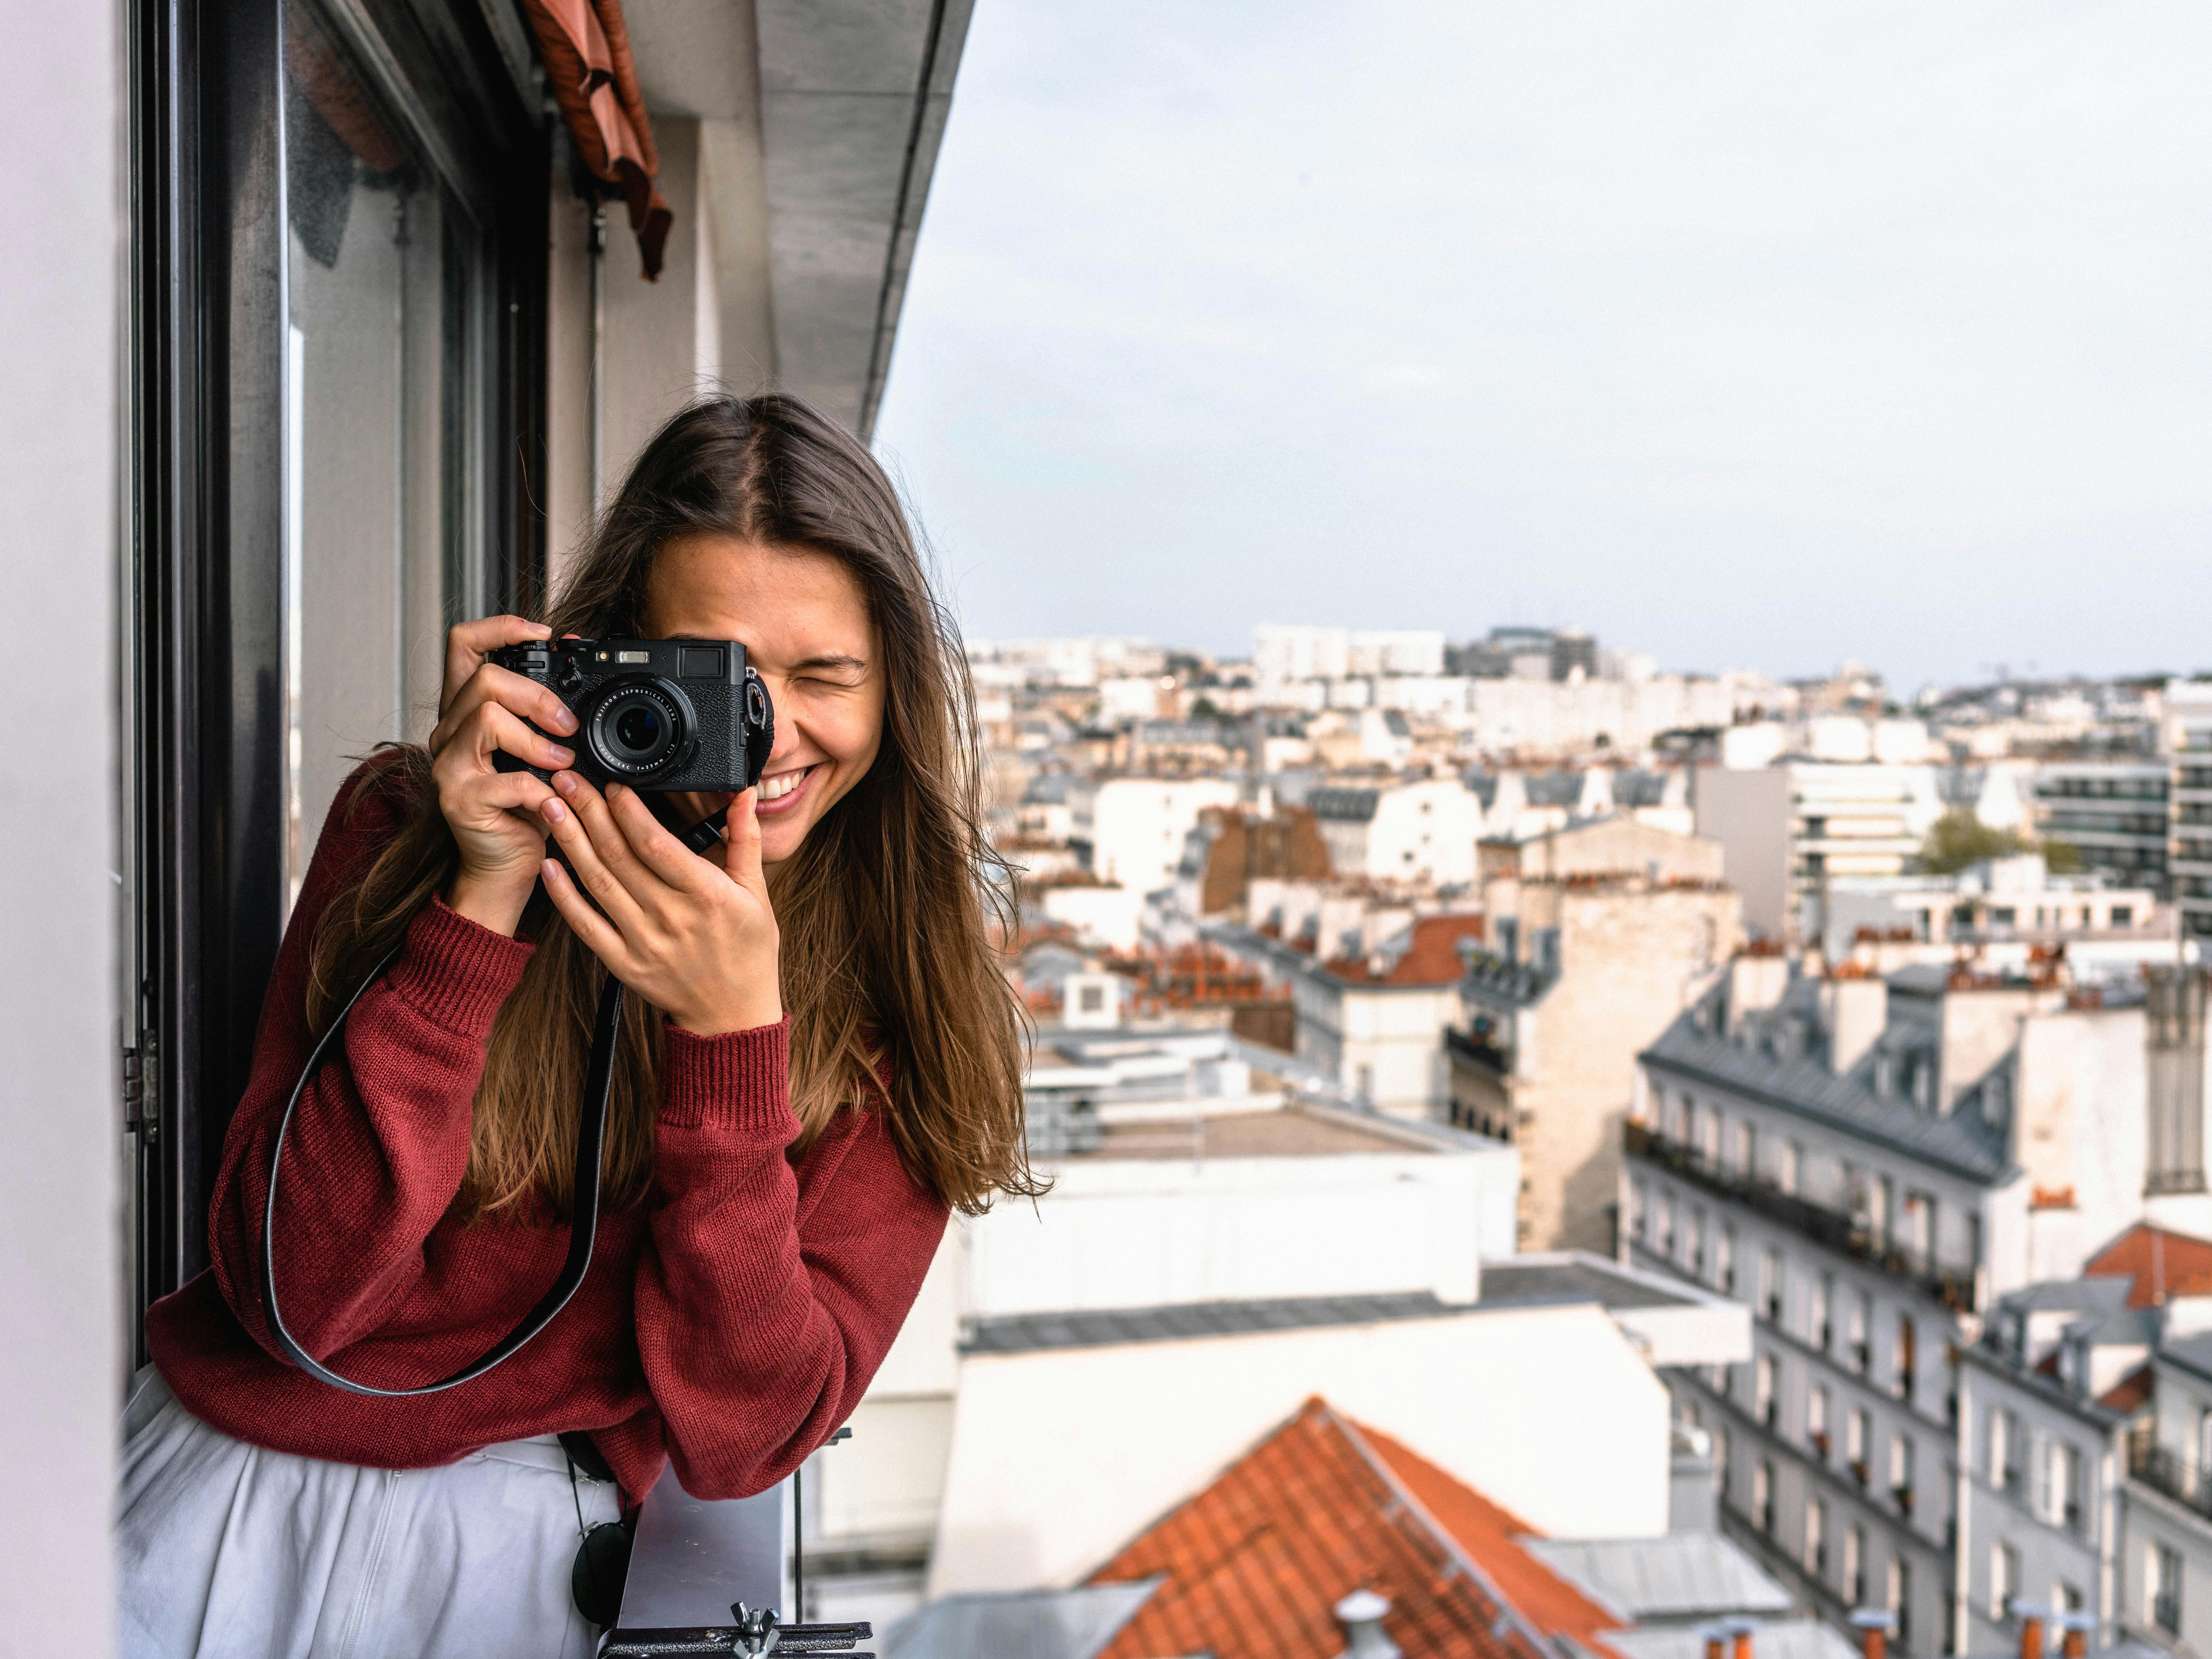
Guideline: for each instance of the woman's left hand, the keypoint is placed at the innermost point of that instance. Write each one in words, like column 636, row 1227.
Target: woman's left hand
column 694, row 937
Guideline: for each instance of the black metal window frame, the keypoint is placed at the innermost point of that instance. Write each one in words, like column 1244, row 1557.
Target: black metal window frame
column 201, row 615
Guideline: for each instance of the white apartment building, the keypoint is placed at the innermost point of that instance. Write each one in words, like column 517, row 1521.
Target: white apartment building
column 1868, row 1164
column 2047, row 1400
column 2163, row 1576
column 1789, row 826
column 1284, row 654
column 1133, row 829
column 2002, row 907
column 1416, row 831
column 1374, row 1022
column 1580, row 971
column 2188, row 736
column 2113, row 813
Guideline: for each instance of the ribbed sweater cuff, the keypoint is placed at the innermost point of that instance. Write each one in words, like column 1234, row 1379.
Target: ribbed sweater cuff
column 739, row 1080
column 456, row 973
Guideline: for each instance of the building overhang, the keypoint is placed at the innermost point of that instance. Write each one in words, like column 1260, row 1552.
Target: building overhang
column 823, row 123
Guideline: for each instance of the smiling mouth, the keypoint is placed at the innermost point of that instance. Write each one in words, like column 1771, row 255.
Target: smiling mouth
column 781, row 784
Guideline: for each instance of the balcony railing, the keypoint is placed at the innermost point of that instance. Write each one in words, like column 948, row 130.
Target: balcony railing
column 1838, row 1232
column 1492, row 1057
column 2162, row 1470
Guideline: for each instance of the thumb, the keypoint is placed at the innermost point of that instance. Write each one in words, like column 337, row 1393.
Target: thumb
column 744, row 831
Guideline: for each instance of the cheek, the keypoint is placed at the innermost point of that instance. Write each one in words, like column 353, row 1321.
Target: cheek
column 851, row 735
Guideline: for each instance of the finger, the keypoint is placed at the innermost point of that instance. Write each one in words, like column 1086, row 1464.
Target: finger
column 656, row 848
column 743, row 831
column 493, row 730
column 503, row 688
column 601, row 938
column 587, row 866
column 511, row 792
column 468, row 643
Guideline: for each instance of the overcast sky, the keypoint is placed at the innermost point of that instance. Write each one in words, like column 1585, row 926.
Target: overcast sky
column 1751, row 335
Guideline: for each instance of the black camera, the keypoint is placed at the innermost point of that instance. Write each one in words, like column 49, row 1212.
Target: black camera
column 663, row 714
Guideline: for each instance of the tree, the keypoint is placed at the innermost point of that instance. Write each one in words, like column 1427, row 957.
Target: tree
column 1958, row 839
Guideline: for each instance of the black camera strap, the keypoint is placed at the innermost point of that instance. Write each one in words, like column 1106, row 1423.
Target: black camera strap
column 584, row 1211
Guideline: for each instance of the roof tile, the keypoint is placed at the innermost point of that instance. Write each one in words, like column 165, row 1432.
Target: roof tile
column 1254, row 1565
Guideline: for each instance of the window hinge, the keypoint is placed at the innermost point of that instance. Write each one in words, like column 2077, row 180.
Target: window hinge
column 139, row 1117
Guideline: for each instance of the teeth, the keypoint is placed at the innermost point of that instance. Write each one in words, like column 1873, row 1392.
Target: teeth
column 783, row 783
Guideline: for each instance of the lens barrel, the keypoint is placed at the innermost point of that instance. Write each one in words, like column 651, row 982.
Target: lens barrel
column 638, row 727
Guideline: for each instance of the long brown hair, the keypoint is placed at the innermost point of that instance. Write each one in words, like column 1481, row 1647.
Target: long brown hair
column 883, row 912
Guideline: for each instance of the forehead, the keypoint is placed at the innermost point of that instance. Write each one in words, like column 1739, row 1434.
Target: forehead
column 772, row 598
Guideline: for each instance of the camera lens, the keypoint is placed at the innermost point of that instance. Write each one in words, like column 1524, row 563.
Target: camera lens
column 636, row 729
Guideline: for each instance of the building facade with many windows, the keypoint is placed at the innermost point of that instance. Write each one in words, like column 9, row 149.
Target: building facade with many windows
column 2188, row 734
column 1868, row 1163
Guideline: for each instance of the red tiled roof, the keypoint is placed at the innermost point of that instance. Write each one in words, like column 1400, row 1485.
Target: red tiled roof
column 1432, row 957
column 1488, row 1535
column 2130, row 1394
column 2162, row 1264
column 1254, row 1564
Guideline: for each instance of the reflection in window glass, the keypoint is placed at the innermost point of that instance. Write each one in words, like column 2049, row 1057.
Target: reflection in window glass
column 383, row 500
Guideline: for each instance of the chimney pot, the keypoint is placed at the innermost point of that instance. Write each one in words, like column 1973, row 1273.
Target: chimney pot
column 1740, row 1630
column 1716, row 1641
column 1361, row 1615
column 1873, row 1625
column 2076, row 1626
column 2032, row 1617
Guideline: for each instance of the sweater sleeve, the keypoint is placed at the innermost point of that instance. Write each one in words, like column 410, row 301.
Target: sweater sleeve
column 380, row 1143
column 764, row 1306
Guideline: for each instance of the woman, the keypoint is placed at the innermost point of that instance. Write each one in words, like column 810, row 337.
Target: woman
column 777, row 1174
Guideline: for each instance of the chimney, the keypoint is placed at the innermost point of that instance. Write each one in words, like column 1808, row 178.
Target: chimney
column 1853, row 1011
column 1873, row 1625
column 1716, row 1641
column 2031, row 1619
column 2077, row 1626
column 1741, row 1629
column 1361, row 1615
column 1757, row 978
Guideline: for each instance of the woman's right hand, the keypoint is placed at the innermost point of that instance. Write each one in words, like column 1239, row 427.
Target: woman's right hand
column 495, row 816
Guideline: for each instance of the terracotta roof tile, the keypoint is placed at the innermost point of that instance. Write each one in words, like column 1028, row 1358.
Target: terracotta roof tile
column 2162, row 1264
column 2130, row 1394
column 1432, row 957
column 1488, row 1535
column 1253, row 1565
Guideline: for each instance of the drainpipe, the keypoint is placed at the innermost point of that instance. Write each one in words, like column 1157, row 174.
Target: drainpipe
column 597, row 399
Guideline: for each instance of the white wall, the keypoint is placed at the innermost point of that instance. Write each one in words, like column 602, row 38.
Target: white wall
column 1748, row 813
column 1147, row 1232
column 1138, row 826
column 60, row 1296
column 1060, row 1456
column 1108, row 916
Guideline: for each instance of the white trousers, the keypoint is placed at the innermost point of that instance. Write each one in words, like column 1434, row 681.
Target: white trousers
column 229, row 1551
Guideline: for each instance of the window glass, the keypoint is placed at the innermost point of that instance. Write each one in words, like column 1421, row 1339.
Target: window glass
column 384, row 502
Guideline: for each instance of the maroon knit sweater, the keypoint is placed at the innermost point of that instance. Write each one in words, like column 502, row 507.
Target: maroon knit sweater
column 729, row 1321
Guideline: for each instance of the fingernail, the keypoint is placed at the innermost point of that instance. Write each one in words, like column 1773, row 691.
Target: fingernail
column 565, row 782
column 550, row 868
column 565, row 719
column 561, row 756
column 555, row 811
column 541, row 631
